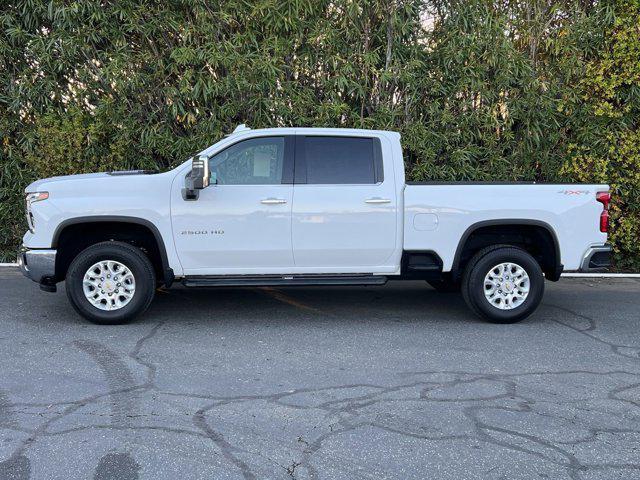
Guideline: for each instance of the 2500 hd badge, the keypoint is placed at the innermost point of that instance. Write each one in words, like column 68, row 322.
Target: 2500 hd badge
column 202, row 232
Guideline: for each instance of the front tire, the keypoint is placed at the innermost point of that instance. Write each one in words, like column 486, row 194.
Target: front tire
column 110, row 283
column 503, row 284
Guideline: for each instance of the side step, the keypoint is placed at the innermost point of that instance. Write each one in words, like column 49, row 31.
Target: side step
column 282, row 280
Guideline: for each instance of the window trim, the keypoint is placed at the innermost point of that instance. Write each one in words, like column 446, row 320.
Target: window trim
column 287, row 160
column 300, row 168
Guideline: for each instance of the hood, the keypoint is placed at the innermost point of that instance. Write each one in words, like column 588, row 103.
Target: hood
column 45, row 182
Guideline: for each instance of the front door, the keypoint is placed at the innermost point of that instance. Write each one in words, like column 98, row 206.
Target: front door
column 241, row 223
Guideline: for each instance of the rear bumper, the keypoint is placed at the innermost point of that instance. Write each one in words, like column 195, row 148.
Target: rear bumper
column 39, row 265
column 596, row 259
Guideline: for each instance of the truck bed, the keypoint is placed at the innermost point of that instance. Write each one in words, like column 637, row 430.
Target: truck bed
column 439, row 214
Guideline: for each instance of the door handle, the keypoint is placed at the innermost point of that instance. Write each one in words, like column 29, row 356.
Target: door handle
column 273, row 201
column 377, row 200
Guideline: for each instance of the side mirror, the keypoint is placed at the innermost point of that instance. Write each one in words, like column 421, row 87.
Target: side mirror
column 200, row 172
column 197, row 179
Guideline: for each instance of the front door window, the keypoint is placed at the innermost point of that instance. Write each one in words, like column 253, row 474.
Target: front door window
column 257, row 161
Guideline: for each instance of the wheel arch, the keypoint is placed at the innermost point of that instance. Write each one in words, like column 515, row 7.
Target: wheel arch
column 552, row 270
column 165, row 271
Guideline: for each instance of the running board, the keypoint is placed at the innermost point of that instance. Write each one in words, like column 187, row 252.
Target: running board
column 282, row 280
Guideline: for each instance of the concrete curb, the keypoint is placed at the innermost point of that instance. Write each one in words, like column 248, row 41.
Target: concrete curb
column 567, row 275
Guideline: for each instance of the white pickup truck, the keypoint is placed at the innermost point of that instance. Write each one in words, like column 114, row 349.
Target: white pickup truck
column 305, row 206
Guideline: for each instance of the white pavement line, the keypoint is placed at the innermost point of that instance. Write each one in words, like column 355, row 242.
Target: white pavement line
column 602, row 275
column 8, row 264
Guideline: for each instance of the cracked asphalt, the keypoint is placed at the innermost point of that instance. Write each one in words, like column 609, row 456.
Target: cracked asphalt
column 394, row 382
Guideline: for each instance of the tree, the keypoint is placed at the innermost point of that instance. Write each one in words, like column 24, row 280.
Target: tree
column 490, row 90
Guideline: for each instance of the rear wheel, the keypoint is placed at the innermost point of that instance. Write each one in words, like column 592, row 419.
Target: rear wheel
column 503, row 284
column 110, row 283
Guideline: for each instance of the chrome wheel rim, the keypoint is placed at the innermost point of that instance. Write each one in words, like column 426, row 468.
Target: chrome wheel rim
column 109, row 285
column 506, row 286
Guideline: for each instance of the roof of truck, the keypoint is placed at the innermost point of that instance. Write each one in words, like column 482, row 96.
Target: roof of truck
column 242, row 129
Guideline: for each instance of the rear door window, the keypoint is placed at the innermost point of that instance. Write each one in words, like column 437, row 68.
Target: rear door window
column 338, row 160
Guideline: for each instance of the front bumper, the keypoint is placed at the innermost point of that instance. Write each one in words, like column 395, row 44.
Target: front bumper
column 596, row 259
column 39, row 265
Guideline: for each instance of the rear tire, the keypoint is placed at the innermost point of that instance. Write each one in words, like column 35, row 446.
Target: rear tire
column 120, row 257
column 503, row 284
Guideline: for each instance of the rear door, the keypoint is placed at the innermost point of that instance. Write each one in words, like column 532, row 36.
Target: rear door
column 344, row 205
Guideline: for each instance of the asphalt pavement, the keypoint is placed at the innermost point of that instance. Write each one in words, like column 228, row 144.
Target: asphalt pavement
column 393, row 382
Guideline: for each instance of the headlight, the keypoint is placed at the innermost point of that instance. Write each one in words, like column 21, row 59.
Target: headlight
column 30, row 199
column 36, row 197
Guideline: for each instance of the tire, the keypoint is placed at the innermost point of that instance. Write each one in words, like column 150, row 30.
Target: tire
column 121, row 254
column 445, row 285
column 503, row 292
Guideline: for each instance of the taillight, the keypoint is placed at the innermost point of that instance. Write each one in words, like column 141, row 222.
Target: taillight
column 604, row 198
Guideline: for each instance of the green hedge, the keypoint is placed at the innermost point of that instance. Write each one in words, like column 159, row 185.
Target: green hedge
column 546, row 91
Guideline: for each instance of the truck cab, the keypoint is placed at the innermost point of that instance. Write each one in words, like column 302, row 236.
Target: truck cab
column 289, row 201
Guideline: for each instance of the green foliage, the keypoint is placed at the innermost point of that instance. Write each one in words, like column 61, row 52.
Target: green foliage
column 608, row 149
column 537, row 90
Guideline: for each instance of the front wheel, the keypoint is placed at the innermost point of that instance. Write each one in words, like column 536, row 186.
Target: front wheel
column 110, row 283
column 503, row 284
